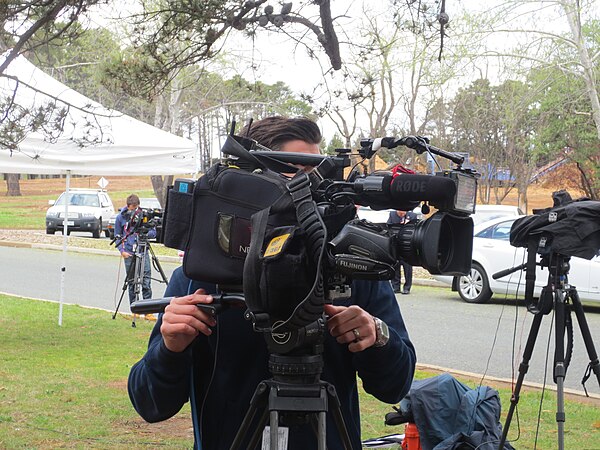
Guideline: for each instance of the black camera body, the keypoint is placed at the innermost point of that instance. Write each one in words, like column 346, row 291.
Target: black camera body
column 569, row 228
column 293, row 243
column 145, row 219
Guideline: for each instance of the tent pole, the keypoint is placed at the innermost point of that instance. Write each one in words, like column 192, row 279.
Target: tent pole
column 64, row 250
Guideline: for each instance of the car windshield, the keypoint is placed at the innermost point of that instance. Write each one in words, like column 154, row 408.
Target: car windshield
column 149, row 203
column 79, row 199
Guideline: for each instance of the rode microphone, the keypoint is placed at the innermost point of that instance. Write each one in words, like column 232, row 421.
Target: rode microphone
column 403, row 192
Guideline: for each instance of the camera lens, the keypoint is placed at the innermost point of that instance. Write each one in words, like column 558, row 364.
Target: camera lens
column 441, row 244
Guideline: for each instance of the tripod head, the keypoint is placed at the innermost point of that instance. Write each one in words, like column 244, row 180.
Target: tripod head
column 558, row 270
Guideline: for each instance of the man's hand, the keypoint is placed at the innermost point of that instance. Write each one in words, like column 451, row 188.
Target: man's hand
column 351, row 325
column 125, row 254
column 183, row 321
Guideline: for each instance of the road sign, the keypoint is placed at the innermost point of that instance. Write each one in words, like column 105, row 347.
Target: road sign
column 102, row 182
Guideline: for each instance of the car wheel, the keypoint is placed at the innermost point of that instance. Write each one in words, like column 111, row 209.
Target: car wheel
column 50, row 231
column 107, row 233
column 475, row 287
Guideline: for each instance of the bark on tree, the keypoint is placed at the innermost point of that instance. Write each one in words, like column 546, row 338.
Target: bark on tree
column 12, row 185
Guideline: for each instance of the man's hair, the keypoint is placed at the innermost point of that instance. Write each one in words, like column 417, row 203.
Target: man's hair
column 273, row 132
column 133, row 200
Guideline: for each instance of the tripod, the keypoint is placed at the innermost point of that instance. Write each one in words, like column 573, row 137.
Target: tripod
column 294, row 396
column 135, row 272
column 563, row 298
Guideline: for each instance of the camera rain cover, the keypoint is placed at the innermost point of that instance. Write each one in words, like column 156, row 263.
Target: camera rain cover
column 571, row 230
column 225, row 198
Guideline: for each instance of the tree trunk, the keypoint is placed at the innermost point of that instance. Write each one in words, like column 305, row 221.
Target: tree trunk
column 160, row 185
column 571, row 9
column 12, row 185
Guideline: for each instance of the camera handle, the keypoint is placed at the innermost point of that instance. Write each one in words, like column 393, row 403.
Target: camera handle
column 157, row 305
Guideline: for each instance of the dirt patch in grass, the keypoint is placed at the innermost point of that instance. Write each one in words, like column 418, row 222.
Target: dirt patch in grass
column 57, row 185
column 179, row 426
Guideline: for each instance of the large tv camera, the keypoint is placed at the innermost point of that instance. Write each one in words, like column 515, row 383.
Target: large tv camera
column 569, row 228
column 143, row 220
column 289, row 239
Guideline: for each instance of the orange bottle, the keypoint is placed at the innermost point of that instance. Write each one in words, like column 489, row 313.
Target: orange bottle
column 411, row 437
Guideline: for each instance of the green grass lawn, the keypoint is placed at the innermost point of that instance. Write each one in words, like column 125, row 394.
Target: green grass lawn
column 65, row 387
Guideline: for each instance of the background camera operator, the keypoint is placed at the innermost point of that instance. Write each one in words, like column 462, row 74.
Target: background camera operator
column 217, row 362
column 402, row 218
column 127, row 236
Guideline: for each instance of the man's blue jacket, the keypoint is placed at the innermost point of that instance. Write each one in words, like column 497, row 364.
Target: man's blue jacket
column 220, row 373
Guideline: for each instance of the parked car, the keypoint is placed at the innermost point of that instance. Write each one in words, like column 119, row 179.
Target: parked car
column 147, row 203
column 374, row 216
column 89, row 210
column 492, row 253
column 483, row 213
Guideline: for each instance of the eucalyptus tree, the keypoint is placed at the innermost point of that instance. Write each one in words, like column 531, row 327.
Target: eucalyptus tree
column 558, row 35
column 493, row 123
column 565, row 127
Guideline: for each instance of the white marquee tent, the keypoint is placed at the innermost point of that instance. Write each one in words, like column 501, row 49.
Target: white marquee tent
column 94, row 140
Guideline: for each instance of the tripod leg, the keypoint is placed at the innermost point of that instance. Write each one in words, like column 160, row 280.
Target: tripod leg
column 322, row 430
column 587, row 336
column 125, row 288
column 156, row 264
column 338, row 418
column 523, row 368
column 259, row 399
column 560, row 370
column 274, row 429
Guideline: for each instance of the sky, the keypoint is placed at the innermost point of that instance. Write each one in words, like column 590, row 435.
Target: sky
column 274, row 57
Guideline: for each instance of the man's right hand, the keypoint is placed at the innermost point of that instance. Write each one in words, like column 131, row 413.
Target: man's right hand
column 183, row 321
column 125, row 254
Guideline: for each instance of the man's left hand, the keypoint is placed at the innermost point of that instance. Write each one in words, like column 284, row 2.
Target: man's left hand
column 351, row 325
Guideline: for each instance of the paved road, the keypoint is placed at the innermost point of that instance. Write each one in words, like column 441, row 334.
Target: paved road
column 447, row 332
column 90, row 279
column 479, row 338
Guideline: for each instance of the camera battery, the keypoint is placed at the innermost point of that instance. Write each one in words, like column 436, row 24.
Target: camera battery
column 184, row 185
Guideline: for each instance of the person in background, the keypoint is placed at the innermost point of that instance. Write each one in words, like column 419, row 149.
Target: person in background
column 127, row 242
column 402, row 218
column 217, row 362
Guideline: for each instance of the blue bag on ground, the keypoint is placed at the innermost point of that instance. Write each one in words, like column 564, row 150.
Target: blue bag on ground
column 452, row 416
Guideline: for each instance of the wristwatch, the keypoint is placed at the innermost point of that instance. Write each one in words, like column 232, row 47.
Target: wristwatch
column 382, row 332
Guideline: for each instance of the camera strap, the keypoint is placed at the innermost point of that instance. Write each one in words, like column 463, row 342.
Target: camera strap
column 310, row 223
column 532, row 246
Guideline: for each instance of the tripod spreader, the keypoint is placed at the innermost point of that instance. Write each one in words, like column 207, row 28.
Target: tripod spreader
column 158, row 305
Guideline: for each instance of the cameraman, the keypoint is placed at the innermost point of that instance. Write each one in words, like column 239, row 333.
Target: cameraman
column 127, row 232
column 217, row 362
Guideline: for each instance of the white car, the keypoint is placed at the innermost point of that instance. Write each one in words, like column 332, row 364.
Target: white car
column 483, row 213
column 366, row 213
column 492, row 253
column 89, row 210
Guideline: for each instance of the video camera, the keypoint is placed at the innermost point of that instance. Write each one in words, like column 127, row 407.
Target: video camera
column 143, row 220
column 292, row 242
column 569, row 228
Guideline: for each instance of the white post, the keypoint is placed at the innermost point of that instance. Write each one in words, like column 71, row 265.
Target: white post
column 63, row 269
